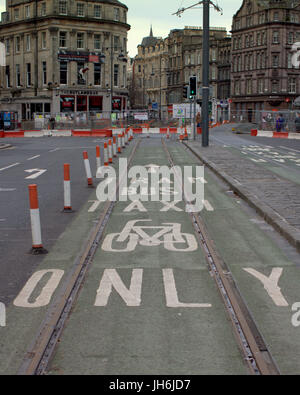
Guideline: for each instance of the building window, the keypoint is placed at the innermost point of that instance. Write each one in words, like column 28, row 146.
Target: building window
column 27, row 42
column 275, row 61
column 80, row 74
column 7, row 74
column 80, row 40
column 17, row 14
column 27, row 11
column 97, row 41
column 237, row 88
column 289, row 61
column 275, row 37
column 63, row 39
column 275, row 86
column 28, row 74
column 18, row 44
column 116, row 43
column 258, row 61
column 97, row 73
column 276, row 16
column 97, row 11
column 44, row 73
column 63, row 73
column 125, row 16
column 62, row 7
column 80, row 9
column 125, row 76
column 43, row 9
column 44, row 40
column 258, row 39
column 292, row 85
column 116, row 14
column 260, row 85
column 7, row 46
column 290, row 38
column 116, row 75
column 249, row 87
column 18, row 75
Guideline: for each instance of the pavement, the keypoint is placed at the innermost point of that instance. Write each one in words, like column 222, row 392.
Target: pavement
column 271, row 191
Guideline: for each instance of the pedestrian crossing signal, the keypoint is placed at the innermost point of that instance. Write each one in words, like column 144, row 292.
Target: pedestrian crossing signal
column 186, row 92
column 193, row 86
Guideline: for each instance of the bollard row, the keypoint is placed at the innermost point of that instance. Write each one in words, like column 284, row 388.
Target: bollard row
column 111, row 149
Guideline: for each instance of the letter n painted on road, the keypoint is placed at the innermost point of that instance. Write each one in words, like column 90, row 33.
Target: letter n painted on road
column 110, row 279
column 171, row 292
column 44, row 297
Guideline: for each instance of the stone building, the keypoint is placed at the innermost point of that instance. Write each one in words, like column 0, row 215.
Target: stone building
column 64, row 56
column 262, row 74
column 163, row 66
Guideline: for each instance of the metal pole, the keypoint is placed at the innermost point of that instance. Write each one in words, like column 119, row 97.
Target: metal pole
column 195, row 122
column 111, row 74
column 205, row 78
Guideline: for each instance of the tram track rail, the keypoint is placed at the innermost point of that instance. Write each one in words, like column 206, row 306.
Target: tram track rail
column 251, row 343
column 42, row 348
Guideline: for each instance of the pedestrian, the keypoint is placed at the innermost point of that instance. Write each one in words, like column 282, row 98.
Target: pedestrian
column 52, row 123
column 297, row 123
column 264, row 123
column 198, row 120
column 280, row 122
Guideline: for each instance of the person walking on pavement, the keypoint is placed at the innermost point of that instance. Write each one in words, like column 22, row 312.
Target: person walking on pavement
column 198, row 120
column 297, row 123
column 280, row 121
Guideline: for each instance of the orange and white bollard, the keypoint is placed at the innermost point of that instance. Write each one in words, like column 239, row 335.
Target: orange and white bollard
column 67, row 189
column 88, row 169
column 114, row 146
column 98, row 157
column 119, row 144
column 126, row 137
column 37, row 245
column 110, row 156
column 105, row 155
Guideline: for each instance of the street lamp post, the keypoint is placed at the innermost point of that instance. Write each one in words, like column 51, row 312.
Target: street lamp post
column 205, row 76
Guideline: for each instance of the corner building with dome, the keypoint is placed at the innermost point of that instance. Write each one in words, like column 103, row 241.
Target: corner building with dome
column 64, row 56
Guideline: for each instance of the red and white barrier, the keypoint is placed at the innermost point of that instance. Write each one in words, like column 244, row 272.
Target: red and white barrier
column 88, row 169
column 37, row 245
column 114, row 146
column 67, row 189
column 105, row 155
column 110, row 155
column 119, row 144
column 278, row 135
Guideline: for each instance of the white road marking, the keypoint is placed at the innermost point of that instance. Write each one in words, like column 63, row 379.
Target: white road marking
column 193, row 180
column 172, row 295
column 111, row 278
column 135, row 205
column 94, row 206
column 7, row 189
column 38, row 173
column 289, row 149
column 56, row 149
column 8, row 167
column 207, row 205
column 271, row 284
column 43, row 299
column 34, row 157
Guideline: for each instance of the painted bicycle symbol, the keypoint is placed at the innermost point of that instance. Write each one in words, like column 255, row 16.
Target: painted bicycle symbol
column 168, row 234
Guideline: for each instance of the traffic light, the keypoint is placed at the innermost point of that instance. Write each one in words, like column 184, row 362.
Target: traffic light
column 193, row 86
column 186, row 94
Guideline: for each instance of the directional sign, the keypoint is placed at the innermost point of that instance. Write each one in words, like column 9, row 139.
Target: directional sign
column 38, row 172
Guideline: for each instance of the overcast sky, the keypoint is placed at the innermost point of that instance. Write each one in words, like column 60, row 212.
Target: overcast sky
column 143, row 13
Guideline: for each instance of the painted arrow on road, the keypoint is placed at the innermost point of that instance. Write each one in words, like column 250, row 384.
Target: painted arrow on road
column 38, row 173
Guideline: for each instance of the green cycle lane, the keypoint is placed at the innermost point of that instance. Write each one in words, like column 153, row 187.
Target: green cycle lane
column 148, row 304
column 253, row 257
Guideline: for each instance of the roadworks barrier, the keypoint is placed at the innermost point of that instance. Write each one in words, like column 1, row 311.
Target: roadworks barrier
column 277, row 135
column 37, row 245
